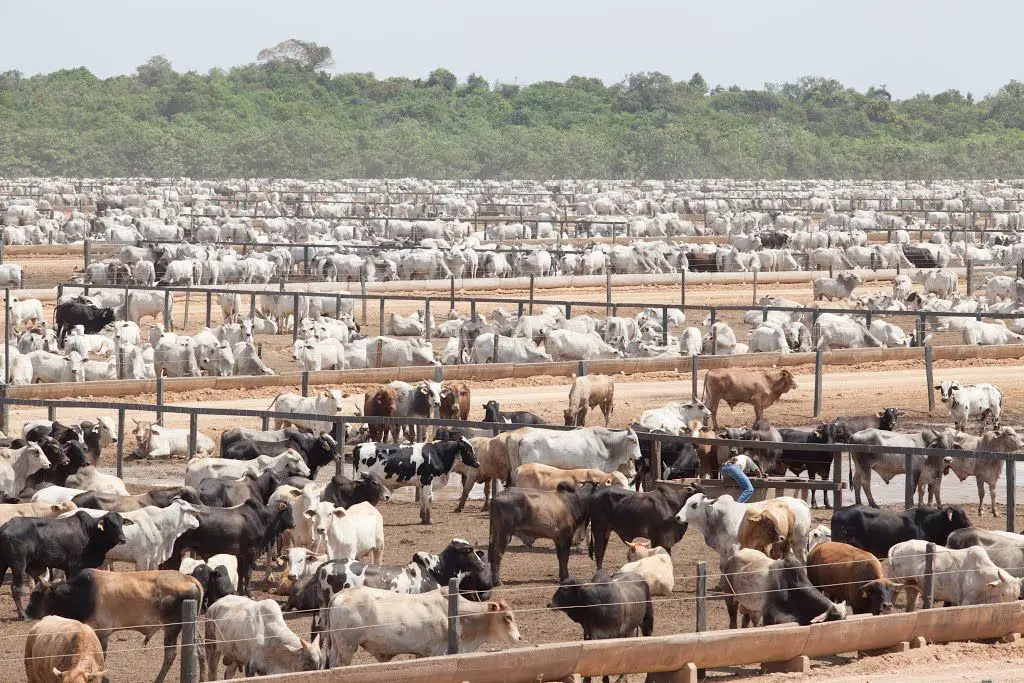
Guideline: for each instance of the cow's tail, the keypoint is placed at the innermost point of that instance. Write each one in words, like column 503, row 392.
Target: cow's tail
column 271, row 406
column 704, row 390
column 849, row 471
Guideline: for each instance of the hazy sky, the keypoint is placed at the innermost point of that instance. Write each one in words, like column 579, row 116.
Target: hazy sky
column 910, row 45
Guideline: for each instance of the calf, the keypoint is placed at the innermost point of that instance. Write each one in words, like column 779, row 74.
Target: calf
column 245, row 531
column 414, row 465
column 852, row 575
column 59, row 650
column 344, row 492
column 351, row 533
column 253, row 636
column 31, row 546
column 589, row 391
column 387, row 624
column 493, row 413
column 216, row 583
column 962, row 577
column 117, row 601
column 539, row 514
column 382, row 403
column 876, row 531
column 630, row 515
column 761, row 389
column 775, row 591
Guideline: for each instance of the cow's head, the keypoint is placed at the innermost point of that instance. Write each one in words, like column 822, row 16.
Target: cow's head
column 880, row 595
column 491, row 412
column 946, row 389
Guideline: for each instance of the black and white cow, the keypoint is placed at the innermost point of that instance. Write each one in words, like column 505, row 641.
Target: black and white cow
column 424, row 573
column 316, row 449
column 415, row 464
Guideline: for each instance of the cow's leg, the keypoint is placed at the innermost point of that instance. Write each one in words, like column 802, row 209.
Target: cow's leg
column 866, row 483
column 17, row 579
column 426, row 497
column 911, row 591
column 495, row 551
column 732, row 606
column 758, row 412
column 713, row 408
column 858, row 483
column 563, row 544
column 171, row 632
column 600, row 537
column 467, row 484
column 490, row 487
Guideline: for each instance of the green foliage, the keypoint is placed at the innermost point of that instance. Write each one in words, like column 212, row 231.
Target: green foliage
column 285, row 116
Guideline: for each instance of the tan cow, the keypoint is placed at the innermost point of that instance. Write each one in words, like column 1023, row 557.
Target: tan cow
column 492, row 453
column 60, row 650
column 542, row 477
column 12, row 510
column 761, row 389
column 589, row 391
column 768, row 528
column 707, row 455
column 1002, row 440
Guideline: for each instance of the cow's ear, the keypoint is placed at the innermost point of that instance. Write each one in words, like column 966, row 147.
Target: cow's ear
column 56, row 508
column 100, row 525
column 281, row 505
column 340, row 512
column 309, row 513
column 494, row 607
column 127, row 522
column 879, row 414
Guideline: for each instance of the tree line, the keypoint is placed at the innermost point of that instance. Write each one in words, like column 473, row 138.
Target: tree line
column 285, row 115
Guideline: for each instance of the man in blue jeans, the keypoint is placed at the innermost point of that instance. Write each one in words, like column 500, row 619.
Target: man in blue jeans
column 736, row 468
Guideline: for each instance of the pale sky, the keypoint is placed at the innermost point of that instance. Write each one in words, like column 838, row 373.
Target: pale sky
column 910, row 45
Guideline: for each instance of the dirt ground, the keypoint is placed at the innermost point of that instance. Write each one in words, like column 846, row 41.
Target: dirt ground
column 531, row 574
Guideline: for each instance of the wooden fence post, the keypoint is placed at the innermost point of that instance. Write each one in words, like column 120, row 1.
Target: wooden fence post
column 754, row 301
column 533, row 285
column 295, row 316
column 655, row 473
column 1011, row 493
column 664, row 326
column 193, row 433
column 453, row 616
column 694, row 366
column 189, row 634
column 682, row 287
column 928, row 378
column 168, row 321
column 341, row 438
column 581, row 369
column 702, row 597
column 451, row 296
column 119, row 461
column 209, row 306
column 426, row 320
column 908, row 486
column 160, row 399
column 381, row 317
column 928, row 594
column 608, row 291
column 305, row 382
column 362, row 291
column 837, row 478
column 819, row 362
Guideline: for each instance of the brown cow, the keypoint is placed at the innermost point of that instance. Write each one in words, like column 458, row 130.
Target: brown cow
column 1002, row 440
column 60, row 650
column 843, row 572
column 589, row 391
column 707, row 454
column 537, row 514
column 760, row 389
column 11, row 510
column 381, row 403
column 455, row 398
column 542, row 477
column 768, row 528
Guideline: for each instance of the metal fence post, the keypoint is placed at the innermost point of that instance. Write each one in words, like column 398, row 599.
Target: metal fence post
column 341, row 438
column 381, row 318
column 928, row 378
column 608, row 291
column 581, row 369
column 682, row 287
column 1011, row 493
column 295, row 317
column 426, row 320
column 168, row 322
column 694, row 365
column 305, row 382
column 265, row 423
column 119, row 462
column 451, row 295
column 908, row 485
column 453, row 616
column 362, row 292
column 193, row 431
column 188, row 298
column 160, row 399
column 533, row 285
column 494, row 351
column 754, row 300
column 819, row 362
column 837, row 479
column 252, row 307
column 664, row 326
column 702, row 599
column 87, row 253
column 970, row 277
column 7, row 335
column 189, row 633
column 928, row 594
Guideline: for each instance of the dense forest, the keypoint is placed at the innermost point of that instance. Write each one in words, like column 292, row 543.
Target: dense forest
column 286, row 115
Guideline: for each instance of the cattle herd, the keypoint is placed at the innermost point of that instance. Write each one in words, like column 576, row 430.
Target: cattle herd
column 265, row 524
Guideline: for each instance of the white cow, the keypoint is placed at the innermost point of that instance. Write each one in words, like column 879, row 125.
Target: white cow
column 587, row 447
column 978, row 332
column 962, row 577
column 49, row 367
column 719, row 520
column 248, row 361
column 55, row 495
column 25, row 311
column 510, row 350
column 325, row 354
column 567, row 345
column 175, row 357
column 675, row 417
column 890, row 335
column 690, row 342
column 290, row 463
column 253, row 636
column 89, row 478
column 769, row 337
column 971, row 401
column 842, row 333
column 18, row 464
column 901, row 288
column 155, row 441
column 354, row 533
column 327, row 403
column 149, row 540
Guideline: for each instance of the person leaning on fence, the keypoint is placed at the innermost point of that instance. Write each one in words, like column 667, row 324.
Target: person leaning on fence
column 736, row 468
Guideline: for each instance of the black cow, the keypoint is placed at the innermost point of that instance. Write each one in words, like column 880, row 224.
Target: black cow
column 344, row 492
column 56, row 430
column 678, row 460
column 244, row 531
column 493, row 413
column 789, row 596
column 876, row 531
column 91, row 434
column 921, row 257
column 613, row 606
column 815, row 463
column 160, row 497
column 65, row 460
column 842, row 428
column 316, row 449
column 414, row 465
column 226, row 493
column 72, row 313
column 774, row 239
column 30, row 546
column 630, row 514
column 215, row 581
